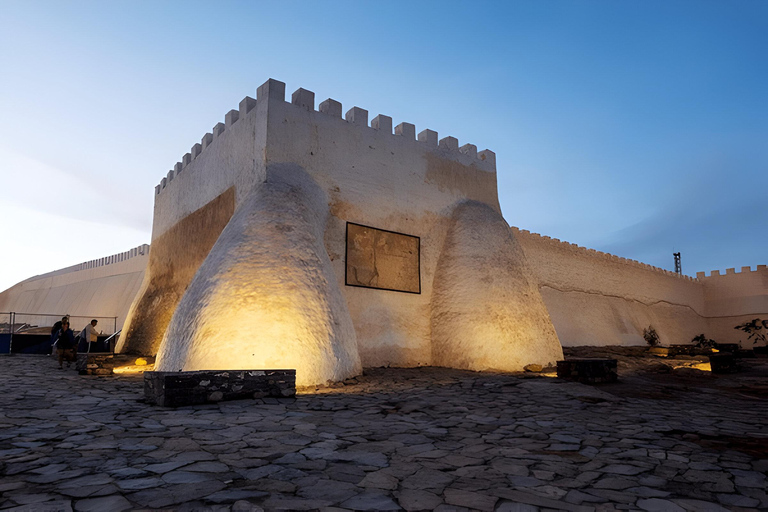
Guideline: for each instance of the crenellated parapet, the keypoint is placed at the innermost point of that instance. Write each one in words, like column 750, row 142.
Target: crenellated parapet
column 700, row 276
column 141, row 250
column 274, row 90
column 599, row 254
column 447, row 146
column 731, row 271
column 211, row 138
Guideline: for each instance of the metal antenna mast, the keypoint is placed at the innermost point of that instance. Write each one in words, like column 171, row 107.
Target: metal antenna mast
column 678, row 267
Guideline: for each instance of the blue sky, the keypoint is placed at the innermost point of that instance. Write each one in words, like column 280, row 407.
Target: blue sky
column 635, row 127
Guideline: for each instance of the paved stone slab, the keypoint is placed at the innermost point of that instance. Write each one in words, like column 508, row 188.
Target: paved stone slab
column 370, row 501
column 416, row 439
column 234, row 495
column 412, row 499
column 138, row 483
column 469, row 499
column 659, row 505
column 700, row 506
column 47, row 506
column 114, row 503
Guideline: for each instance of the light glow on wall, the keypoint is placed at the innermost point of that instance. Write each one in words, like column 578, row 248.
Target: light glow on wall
column 133, row 369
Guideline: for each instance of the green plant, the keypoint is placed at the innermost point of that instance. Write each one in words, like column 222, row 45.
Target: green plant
column 754, row 328
column 701, row 341
column 651, row 336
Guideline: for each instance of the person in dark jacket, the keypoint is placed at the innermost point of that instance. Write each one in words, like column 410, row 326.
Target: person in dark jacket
column 65, row 344
column 57, row 326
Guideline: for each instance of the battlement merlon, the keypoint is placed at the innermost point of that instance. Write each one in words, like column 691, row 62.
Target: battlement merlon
column 271, row 109
column 274, row 90
column 732, row 272
column 714, row 274
column 141, row 250
column 596, row 254
column 305, row 99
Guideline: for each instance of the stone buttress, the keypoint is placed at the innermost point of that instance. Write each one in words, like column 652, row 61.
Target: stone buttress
column 265, row 297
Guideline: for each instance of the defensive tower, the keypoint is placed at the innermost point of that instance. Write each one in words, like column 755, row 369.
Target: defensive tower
column 294, row 237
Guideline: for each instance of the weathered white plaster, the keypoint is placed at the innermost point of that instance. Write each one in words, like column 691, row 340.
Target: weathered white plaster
column 388, row 181
column 736, row 293
column 103, row 288
column 599, row 299
column 371, row 176
column 487, row 313
column 266, row 296
column 229, row 156
column 735, row 298
column 428, row 187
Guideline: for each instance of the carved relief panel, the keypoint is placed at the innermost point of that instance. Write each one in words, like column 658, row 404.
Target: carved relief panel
column 382, row 259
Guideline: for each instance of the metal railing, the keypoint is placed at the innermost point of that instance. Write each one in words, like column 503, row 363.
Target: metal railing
column 6, row 332
column 40, row 324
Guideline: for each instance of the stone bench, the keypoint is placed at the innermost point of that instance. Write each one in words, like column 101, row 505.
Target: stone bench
column 588, row 370
column 685, row 350
column 723, row 362
column 173, row 389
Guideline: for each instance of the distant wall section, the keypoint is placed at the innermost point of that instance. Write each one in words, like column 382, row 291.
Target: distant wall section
column 104, row 287
column 596, row 298
column 733, row 298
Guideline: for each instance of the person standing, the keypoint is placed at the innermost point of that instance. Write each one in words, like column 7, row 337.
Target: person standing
column 57, row 325
column 55, row 332
column 65, row 344
column 89, row 334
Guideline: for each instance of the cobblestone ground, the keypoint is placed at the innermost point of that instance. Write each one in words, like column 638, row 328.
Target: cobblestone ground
column 416, row 439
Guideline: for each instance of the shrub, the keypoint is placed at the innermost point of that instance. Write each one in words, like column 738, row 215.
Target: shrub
column 755, row 330
column 701, row 341
column 651, row 336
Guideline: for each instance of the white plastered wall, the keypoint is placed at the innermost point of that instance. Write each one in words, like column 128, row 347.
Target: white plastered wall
column 262, row 298
column 102, row 291
column 234, row 156
column 386, row 181
column 733, row 298
column 599, row 299
column 391, row 181
column 369, row 174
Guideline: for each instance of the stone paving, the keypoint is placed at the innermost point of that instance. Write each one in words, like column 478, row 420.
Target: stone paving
column 394, row 439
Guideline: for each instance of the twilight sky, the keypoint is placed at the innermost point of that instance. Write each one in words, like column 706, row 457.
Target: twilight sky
column 635, row 127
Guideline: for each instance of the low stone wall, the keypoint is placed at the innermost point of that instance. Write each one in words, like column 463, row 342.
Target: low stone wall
column 588, row 370
column 104, row 363
column 173, row 389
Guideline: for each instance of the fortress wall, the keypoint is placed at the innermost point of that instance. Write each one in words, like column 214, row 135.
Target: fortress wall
column 387, row 180
column 596, row 298
column 193, row 204
column 736, row 293
column 174, row 260
column 231, row 155
column 264, row 289
column 95, row 288
column 733, row 298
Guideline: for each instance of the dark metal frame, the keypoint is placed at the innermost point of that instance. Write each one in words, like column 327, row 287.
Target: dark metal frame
column 678, row 266
column 346, row 258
